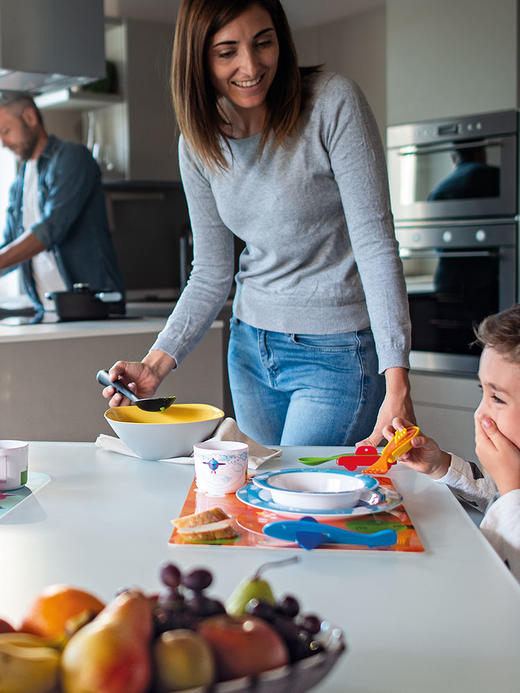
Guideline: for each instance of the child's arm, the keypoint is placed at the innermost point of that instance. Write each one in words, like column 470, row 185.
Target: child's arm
column 425, row 455
column 498, row 455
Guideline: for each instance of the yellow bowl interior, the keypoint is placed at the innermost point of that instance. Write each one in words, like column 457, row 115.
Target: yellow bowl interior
column 177, row 413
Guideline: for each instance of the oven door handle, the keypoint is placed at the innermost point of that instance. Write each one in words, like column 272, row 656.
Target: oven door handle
column 407, row 253
column 444, row 147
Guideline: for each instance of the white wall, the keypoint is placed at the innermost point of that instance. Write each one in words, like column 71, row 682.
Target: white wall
column 450, row 57
column 354, row 47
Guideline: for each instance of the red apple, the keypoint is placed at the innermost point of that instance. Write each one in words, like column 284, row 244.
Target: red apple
column 5, row 627
column 243, row 645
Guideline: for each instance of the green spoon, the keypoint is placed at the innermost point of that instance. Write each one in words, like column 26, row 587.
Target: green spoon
column 313, row 461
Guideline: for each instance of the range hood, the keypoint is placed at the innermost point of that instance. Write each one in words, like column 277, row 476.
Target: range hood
column 46, row 45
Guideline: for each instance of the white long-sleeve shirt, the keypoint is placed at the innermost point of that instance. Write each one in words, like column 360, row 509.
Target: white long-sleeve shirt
column 501, row 523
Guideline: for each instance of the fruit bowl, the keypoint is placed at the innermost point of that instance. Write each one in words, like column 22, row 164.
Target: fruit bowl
column 324, row 489
column 159, row 435
column 300, row 676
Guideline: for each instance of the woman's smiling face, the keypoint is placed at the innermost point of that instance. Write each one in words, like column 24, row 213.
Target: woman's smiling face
column 243, row 58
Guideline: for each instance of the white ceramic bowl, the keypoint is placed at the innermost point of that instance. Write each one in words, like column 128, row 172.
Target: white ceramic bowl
column 315, row 489
column 159, row 435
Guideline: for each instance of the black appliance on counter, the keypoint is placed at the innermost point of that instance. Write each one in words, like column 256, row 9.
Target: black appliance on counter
column 152, row 237
column 454, row 190
column 82, row 303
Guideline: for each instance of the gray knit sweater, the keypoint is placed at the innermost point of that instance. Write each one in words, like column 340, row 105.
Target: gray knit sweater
column 321, row 253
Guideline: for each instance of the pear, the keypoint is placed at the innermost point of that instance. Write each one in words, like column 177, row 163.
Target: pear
column 183, row 659
column 254, row 587
column 111, row 653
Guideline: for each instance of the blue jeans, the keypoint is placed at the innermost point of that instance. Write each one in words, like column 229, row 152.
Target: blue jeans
column 304, row 389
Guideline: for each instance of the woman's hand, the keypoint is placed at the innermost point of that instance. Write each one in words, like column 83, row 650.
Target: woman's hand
column 425, row 456
column 142, row 377
column 397, row 402
column 499, row 456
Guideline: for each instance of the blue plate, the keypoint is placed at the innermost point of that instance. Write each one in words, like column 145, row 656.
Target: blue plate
column 260, row 498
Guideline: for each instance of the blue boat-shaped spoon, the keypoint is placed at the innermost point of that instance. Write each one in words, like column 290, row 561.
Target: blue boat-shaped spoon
column 309, row 533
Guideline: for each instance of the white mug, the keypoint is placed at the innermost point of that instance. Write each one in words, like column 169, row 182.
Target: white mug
column 14, row 459
column 220, row 466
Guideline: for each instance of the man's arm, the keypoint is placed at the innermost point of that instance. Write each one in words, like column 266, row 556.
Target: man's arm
column 23, row 248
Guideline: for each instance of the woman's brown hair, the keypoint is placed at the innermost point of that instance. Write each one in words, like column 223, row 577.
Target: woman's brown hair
column 195, row 98
column 502, row 333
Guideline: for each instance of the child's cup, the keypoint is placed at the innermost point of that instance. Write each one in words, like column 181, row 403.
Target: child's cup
column 220, row 466
column 14, row 458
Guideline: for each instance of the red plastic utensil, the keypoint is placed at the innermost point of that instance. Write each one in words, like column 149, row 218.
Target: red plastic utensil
column 365, row 455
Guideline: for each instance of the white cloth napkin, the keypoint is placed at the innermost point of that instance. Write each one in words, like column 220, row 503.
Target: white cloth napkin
column 227, row 430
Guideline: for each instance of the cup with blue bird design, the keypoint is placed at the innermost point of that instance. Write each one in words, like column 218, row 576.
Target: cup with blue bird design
column 220, row 466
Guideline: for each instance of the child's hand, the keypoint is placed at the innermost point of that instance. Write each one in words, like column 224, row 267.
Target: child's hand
column 499, row 456
column 425, row 456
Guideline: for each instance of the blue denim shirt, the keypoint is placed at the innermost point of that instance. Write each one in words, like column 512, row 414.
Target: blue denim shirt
column 73, row 223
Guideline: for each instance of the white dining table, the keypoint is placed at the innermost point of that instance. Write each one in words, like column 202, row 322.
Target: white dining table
column 444, row 620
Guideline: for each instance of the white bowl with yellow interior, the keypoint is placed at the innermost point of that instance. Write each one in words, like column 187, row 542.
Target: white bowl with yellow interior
column 160, row 435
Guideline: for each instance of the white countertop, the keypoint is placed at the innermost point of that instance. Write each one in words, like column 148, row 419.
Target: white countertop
column 84, row 328
column 443, row 620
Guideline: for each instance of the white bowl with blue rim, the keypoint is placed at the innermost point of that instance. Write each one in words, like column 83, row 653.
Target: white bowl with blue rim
column 316, row 489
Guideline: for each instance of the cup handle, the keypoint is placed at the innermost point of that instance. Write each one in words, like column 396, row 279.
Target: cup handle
column 3, row 468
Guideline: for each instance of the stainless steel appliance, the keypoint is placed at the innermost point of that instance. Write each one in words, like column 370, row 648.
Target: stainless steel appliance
column 454, row 189
column 456, row 274
column 454, row 168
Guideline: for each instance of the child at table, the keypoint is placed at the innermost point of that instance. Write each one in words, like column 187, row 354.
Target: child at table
column 496, row 489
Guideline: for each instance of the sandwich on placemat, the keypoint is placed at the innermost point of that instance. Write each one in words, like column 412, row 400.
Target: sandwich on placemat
column 206, row 526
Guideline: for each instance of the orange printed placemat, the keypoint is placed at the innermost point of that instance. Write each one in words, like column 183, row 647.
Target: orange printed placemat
column 249, row 522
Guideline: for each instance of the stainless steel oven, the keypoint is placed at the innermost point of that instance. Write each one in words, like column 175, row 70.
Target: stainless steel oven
column 456, row 273
column 458, row 168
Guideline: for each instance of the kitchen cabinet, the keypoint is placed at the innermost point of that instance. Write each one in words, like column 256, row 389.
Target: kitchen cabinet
column 444, row 407
column 449, row 58
column 135, row 130
column 48, row 387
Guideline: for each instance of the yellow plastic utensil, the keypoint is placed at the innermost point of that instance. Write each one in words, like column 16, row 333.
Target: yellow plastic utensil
column 400, row 443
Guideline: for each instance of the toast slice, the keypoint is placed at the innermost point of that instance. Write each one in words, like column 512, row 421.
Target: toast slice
column 208, row 525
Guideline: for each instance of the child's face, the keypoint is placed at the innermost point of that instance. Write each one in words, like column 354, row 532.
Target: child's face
column 500, row 381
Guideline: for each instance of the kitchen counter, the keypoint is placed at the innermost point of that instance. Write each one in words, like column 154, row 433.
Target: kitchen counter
column 443, row 620
column 82, row 328
column 48, row 388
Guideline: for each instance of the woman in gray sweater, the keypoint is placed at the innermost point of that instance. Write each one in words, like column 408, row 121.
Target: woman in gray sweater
column 290, row 161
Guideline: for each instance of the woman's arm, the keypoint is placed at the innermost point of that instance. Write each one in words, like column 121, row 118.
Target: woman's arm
column 359, row 167
column 397, row 403
column 211, row 278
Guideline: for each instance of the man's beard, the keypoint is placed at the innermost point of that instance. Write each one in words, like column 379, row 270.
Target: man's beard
column 28, row 145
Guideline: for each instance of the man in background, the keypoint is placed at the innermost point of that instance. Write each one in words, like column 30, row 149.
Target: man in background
column 57, row 229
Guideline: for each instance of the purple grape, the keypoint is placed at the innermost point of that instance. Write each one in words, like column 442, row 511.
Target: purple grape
column 170, row 575
column 315, row 647
column 311, row 623
column 202, row 606
column 296, row 639
column 288, row 606
column 263, row 610
column 181, row 617
column 170, row 599
column 198, row 580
